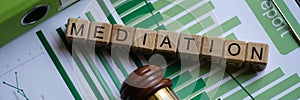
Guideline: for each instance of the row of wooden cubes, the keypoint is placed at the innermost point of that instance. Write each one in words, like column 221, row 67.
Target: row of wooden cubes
column 170, row 44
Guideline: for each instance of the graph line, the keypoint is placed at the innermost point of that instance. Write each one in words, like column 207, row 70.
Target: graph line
column 19, row 90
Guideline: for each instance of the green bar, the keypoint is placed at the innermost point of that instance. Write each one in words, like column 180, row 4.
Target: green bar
column 191, row 16
column 136, row 60
column 278, row 33
column 79, row 63
column 114, row 1
column 117, row 2
column 292, row 95
column 289, row 15
column 213, row 75
column 196, row 73
column 191, row 88
column 258, row 84
column 203, row 9
column 208, row 21
column 106, row 12
column 196, row 13
column 162, row 63
column 152, row 20
column 278, row 88
column 160, row 27
column 103, row 7
column 118, row 62
column 86, row 76
column 180, row 79
column 146, row 9
column 58, row 65
column 139, row 19
column 159, row 4
column 111, row 19
column 133, row 8
column 89, row 15
column 204, row 68
column 231, row 37
column 61, row 34
column 176, row 24
column 109, row 69
column 173, row 70
column 182, row 6
column 127, row 5
column 97, row 73
column 226, row 26
column 105, row 64
column 202, row 96
column 173, row 11
column 231, row 84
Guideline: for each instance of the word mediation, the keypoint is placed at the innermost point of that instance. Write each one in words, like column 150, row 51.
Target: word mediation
column 169, row 44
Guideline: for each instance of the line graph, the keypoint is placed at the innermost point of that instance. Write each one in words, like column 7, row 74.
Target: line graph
column 17, row 88
column 11, row 68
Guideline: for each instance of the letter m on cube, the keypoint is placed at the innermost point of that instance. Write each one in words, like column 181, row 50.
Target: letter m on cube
column 77, row 29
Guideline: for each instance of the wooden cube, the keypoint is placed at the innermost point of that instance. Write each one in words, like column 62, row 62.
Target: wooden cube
column 144, row 41
column 100, row 34
column 257, row 55
column 166, row 43
column 234, row 53
column 77, row 29
column 189, row 47
column 212, row 48
column 122, row 35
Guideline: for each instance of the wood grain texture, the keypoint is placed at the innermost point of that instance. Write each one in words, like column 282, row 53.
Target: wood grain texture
column 122, row 40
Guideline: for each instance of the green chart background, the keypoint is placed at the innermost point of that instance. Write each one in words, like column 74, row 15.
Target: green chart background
column 187, row 84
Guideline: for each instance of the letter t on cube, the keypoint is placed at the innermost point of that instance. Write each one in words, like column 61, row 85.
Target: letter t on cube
column 189, row 47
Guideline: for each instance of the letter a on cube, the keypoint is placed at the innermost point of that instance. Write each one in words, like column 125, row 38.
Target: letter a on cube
column 166, row 43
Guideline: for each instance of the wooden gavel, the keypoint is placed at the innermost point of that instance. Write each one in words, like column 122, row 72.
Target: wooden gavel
column 147, row 82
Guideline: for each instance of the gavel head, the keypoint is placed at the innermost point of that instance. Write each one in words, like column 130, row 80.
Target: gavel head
column 147, row 82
